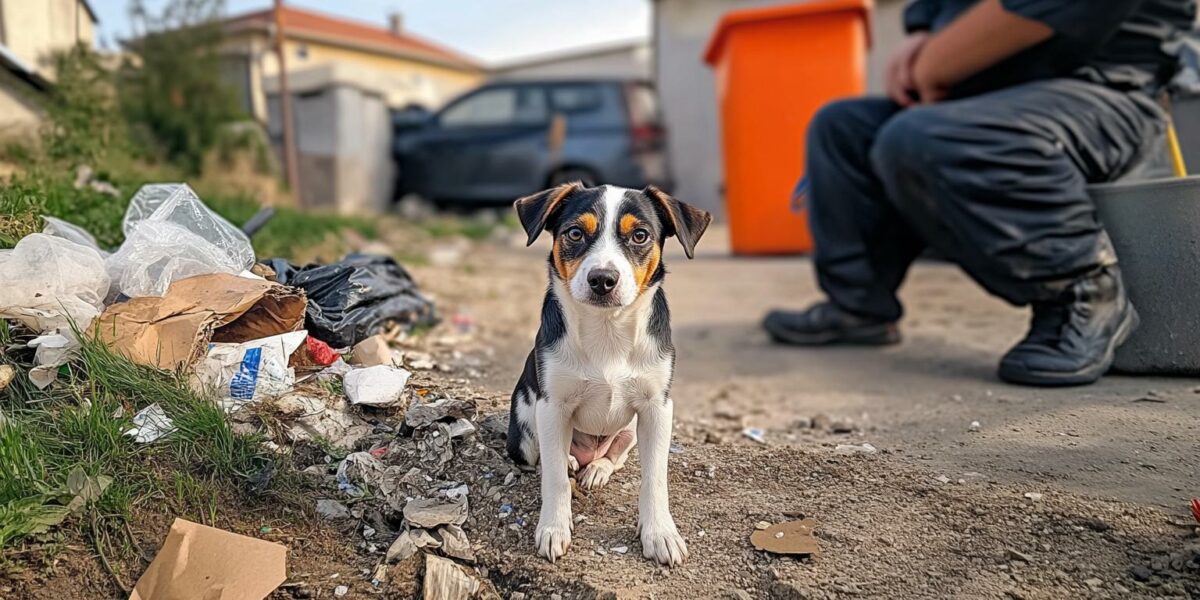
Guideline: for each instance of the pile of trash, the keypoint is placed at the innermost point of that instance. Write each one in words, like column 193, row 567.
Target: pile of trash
column 317, row 358
column 185, row 292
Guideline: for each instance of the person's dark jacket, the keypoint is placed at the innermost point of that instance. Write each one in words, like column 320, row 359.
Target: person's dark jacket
column 1124, row 44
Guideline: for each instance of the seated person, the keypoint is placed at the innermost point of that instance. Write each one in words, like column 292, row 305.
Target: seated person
column 999, row 114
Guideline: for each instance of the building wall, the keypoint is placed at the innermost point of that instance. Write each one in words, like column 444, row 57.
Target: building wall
column 20, row 116
column 681, row 30
column 630, row 62
column 404, row 80
column 35, row 30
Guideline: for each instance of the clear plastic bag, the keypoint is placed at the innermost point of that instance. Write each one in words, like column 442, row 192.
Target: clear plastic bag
column 157, row 254
column 50, row 282
column 171, row 235
column 69, row 231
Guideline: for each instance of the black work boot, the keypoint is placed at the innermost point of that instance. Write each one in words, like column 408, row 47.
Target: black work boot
column 1071, row 341
column 824, row 323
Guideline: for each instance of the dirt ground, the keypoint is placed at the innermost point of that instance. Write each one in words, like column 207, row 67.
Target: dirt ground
column 1076, row 493
column 1114, row 463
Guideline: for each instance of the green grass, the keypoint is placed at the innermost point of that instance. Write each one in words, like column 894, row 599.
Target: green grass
column 74, row 425
column 38, row 192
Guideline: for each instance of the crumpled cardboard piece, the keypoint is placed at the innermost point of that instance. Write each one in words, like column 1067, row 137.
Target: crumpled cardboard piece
column 173, row 331
column 789, row 537
column 204, row 563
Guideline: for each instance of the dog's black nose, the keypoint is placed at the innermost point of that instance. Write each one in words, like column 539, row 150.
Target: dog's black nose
column 602, row 281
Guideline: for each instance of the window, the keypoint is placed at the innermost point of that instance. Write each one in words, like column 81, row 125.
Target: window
column 575, row 98
column 302, row 51
column 497, row 107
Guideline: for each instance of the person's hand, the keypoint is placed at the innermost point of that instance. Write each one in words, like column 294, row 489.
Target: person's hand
column 899, row 82
column 928, row 87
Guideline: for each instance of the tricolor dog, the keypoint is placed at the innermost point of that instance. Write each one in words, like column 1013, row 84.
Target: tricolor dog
column 598, row 380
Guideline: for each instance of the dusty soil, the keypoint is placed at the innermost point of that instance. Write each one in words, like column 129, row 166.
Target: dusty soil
column 1115, row 463
column 938, row 511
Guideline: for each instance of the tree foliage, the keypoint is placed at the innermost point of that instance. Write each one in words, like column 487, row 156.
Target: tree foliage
column 172, row 91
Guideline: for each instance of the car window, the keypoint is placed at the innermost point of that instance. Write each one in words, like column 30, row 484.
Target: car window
column 575, row 98
column 497, row 106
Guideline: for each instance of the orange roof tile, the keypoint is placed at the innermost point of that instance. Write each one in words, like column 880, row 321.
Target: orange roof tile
column 305, row 23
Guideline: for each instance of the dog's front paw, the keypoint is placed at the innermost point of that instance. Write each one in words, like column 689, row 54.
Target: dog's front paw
column 572, row 465
column 553, row 539
column 596, row 474
column 664, row 544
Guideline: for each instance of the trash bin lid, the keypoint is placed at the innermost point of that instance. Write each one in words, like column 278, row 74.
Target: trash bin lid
column 735, row 18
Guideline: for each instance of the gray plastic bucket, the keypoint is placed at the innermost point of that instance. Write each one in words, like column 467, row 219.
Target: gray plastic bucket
column 1155, row 227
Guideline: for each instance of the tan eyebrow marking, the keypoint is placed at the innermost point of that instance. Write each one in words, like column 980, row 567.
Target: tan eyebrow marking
column 628, row 224
column 589, row 223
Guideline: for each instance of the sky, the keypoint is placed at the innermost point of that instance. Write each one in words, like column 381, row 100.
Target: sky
column 495, row 31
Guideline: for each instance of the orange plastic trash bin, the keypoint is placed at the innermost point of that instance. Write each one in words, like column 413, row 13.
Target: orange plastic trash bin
column 774, row 68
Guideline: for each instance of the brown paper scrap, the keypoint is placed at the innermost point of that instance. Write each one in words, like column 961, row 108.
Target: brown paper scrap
column 790, row 537
column 204, row 563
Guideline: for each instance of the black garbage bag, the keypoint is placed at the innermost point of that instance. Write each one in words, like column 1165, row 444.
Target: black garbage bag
column 356, row 298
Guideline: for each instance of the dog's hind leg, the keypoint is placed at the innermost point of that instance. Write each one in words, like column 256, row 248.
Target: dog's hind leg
column 597, row 473
column 522, row 419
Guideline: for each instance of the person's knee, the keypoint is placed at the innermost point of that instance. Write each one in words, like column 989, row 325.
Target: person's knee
column 906, row 145
column 836, row 122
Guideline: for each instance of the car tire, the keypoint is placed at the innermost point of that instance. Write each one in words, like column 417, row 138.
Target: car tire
column 567, row 175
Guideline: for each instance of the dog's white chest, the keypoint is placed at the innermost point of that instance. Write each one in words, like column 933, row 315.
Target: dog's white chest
column 605, row 390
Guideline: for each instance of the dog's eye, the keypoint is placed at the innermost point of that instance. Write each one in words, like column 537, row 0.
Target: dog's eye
column 575, row 234
column 640, row 236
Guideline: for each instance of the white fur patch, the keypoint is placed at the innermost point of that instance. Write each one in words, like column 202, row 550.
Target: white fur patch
column 606, row 253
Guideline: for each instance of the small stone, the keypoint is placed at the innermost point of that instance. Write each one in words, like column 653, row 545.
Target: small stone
column 864, row 448
column 332, row 509
column 508, row 479
column 620, row 549
column 779, row 535
column 368, row 532
column 974, row 426
column 1033, row 496
column 1141, row 573
column 340, row 591
column 822, row 422
column 842, row 426
column 942, row 479
column 762, row 525
column 1014, row 554
column 1094, row 582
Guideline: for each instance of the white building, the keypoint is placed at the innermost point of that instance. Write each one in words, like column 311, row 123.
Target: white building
column 630, row 59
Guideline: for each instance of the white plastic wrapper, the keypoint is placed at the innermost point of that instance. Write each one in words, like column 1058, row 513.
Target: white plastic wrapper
column 69, row 231
column 247, row 372
column 49, row 282
column 150, row 424
column 52, row 351
column 381, row 385
column 171, row 235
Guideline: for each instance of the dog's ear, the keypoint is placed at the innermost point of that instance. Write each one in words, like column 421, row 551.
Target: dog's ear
column 537, row 211
column 682, row 220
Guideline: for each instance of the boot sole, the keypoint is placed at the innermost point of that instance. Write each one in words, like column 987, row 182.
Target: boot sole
column 881, row 335
column 1020, row 375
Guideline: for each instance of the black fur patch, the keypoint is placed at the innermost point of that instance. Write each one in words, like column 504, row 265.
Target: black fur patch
column 659, row 329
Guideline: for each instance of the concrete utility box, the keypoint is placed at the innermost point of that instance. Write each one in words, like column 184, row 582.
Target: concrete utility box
column 343, row 142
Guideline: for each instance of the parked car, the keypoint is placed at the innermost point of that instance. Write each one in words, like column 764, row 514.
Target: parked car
column 511, row 138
